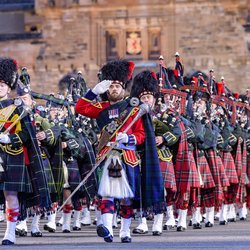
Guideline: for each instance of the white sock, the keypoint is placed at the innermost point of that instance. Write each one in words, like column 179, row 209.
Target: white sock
column 10, row 233
column 107, row 220
column 157, row 225
column 66, row 221
column 210, row 215
column 125, row 227
column 77, row 216
column 182, row 218
column 35, row 224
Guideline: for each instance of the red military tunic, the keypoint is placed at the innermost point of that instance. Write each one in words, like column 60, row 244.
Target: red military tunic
column 92, row 109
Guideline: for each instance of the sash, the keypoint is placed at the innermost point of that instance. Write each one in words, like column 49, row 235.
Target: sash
column 110, row 129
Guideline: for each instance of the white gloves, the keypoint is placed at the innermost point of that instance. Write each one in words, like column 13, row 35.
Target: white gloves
column 4, row 139
column 101, row 87
column 122, row 138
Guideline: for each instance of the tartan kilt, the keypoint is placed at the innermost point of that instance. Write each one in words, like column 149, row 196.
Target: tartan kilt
column 167, row 170
column 241, row 194
column 207, row 197
column 248, row 168
column 74, row 177
column 231, row 193
column 206, row 175
column 49, row 176
column 194, row 176
column 223, row 176
column 214, row 167
column 16, row 174
column 188, row 178
column 230, row 168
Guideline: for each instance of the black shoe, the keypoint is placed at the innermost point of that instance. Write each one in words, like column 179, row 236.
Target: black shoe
column 58, row 224
column 197, row 226
column 181, row 229
column 190, row 224
column 49, row 229
column 156, row 233
column 103, row 232
column 209, row 224
column 167, row 227
column 94, row 222
column 232, row 220
column 36, row 234
column 243, row 218
column 223, row 222
column 76, row 229
column 114, row 227
column 139, row 231
column 126, row 239
column 21, row 232
column 66, row 231
column 7, row 242
column 108, row 239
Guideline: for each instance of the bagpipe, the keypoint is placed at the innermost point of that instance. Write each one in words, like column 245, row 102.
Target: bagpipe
column 177, row 98
column 76, row 88
column 170, row 98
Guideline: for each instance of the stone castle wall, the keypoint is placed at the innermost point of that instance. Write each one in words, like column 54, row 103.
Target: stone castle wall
column 208, row 34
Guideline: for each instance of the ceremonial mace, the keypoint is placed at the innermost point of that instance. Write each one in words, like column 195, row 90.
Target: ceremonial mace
column 144, row 108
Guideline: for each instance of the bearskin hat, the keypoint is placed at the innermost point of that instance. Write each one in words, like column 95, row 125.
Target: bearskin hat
column 119, row 71
column 144, row 82
column 8, row 72
column 64, row 82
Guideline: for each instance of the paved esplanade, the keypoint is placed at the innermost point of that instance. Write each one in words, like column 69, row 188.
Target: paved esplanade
column 235, row 235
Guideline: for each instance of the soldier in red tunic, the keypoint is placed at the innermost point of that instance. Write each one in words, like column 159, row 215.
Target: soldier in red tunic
column 119, row 173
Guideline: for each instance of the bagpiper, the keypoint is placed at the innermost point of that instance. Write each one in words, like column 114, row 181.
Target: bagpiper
column 119, row 173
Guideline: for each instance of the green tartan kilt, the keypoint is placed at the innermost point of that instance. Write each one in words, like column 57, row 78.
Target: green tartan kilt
column 16, row 176
column 49, row 176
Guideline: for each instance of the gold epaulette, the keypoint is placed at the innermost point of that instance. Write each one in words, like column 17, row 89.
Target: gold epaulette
column 97, row 105
column 134, row 110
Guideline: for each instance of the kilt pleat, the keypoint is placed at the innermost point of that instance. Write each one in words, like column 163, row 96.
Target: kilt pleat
column 230, row 168
column 187, row 177
column 16, row 174
column 248, row 168
column 223, row 176
column 168, row 174
column 74, row 177
column 207, row 197
column 206, row 175
column 49, row 176
column 214, row 167
column 241, row 168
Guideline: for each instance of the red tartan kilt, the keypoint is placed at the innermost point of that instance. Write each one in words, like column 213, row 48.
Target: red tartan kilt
column 207, row 197
column 230, row 194
column 248, row 168
column 207, row 178
column 194, row 176
column 216, row 173
column 186, row 175
column 167, row 169
column 230, row 168
column 241, row 194
column 223, row 177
